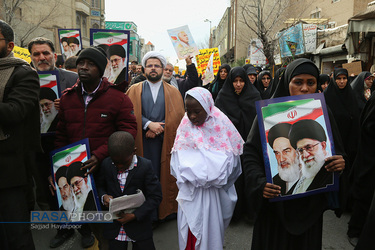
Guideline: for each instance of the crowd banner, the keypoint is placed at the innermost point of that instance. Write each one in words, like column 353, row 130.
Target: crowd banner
column 291, row 41
column 115, row 43
column 176, row 69
column 22, row 53
column 49, row 91
column 204, row 56
column 296, row 137
column 183, row 42
column 70, row 41
column 76, row 193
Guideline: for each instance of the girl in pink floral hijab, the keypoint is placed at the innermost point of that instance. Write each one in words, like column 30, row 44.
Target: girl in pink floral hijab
column 206, row 163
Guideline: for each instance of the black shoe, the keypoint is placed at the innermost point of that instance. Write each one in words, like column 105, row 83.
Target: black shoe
column 353, row 241
column 87, row 241
column 60, row 238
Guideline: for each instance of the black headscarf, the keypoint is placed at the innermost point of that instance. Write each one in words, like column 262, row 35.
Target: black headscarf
column 358, row 86
column 297, row 67
column 259, row 84
column 274, row 83
column 344, row 108
column 218, row 83
column 323, row 78
column 240, row 109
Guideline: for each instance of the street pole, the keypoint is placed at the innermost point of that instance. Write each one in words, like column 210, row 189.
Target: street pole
column 209, row 42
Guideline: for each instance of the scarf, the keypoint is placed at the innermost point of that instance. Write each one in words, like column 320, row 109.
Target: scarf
column 7, row 66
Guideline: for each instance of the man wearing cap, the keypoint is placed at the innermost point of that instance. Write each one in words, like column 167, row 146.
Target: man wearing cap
column 309, row 139
column 117, row 57
column 159, row 109
column 94, row 109
column 286, row 156
column 73, row 43
column 48, row 110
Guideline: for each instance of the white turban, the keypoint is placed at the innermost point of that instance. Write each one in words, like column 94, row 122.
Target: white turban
column 156, row 55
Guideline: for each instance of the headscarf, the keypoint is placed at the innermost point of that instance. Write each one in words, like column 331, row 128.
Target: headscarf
column 217, row 133
column 344, row 108
column 259, row 84
column 154, row 54
column 297, row 67
column 240, row 109
column 218, row 83
column 358, row 86
column 274, row 83
column 323, row 78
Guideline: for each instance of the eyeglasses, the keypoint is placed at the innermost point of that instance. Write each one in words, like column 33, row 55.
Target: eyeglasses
column 308, row 148
column 156, row 66
column 116, row 60
column 76, row 183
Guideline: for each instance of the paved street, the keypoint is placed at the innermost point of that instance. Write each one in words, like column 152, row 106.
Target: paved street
column 237, row 236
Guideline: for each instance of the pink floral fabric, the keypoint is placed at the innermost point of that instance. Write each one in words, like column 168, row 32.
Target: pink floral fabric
column 217, row 133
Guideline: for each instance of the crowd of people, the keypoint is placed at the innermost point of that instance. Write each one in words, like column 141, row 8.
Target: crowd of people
column 195, row 152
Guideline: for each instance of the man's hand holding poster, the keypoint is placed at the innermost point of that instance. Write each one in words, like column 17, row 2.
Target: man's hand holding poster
column 296, row 139
column 75, row 190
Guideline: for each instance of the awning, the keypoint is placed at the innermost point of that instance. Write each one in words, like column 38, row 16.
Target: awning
column 362, row 22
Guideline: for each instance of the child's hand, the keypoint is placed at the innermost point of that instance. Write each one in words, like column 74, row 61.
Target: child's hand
column 125, row 218
column 106, row 199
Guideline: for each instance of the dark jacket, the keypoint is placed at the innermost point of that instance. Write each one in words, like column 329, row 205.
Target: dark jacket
column 192, row 80
column 140, row 177
column 66, row 78
column 19, row 112
column 110, row 110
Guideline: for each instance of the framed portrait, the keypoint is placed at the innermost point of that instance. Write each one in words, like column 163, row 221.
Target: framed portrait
column 115, row 43
column 76, row 192
column 70, row 42
column 183, row 42
column 49, row 91
column 296, row 139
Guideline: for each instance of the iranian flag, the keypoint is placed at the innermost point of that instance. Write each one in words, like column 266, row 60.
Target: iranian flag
column 49, row 81
column 69, row 155
column 69, row 33
column 110, row 38
column 291, row 112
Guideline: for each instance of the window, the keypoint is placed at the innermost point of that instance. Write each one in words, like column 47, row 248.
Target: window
column 95, row 3
column 315, row 15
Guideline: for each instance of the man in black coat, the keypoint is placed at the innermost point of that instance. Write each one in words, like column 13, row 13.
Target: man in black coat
column 19, row 140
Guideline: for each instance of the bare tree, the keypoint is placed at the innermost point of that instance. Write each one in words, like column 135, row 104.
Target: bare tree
column 262, row 17
column 14, row 16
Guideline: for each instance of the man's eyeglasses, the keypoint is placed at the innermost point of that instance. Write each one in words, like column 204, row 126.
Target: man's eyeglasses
column 76, row 183
column 308, row 148
column 156, row 66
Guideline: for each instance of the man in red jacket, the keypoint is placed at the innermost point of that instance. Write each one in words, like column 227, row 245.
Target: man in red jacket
column 94, row 109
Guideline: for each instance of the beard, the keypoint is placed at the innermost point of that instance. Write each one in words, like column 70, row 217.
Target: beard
column 167, row 79
column 310, row 169
column 154, row 78
column 3, row 52
column 290, row 173
column 47, row 119
column 82, row 195
column 68, row 204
